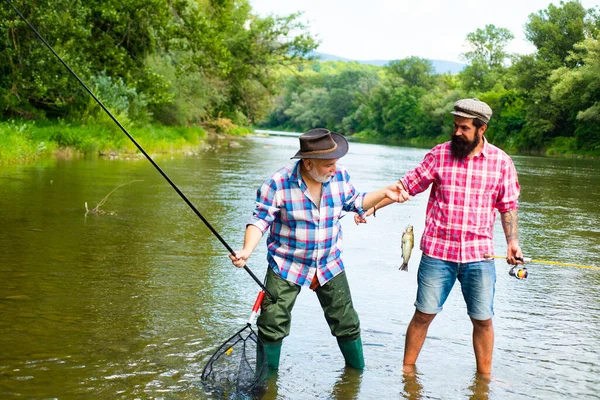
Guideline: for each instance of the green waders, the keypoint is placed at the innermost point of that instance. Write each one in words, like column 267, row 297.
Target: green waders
column 274, row 321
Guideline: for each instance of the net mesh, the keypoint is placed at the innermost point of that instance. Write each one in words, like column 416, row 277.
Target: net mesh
column 237, row 370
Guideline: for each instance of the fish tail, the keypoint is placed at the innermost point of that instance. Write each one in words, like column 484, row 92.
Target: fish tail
column 404, row 266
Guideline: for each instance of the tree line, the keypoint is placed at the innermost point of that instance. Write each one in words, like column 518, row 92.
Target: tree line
column 214, row 63
column 176, row 62
column 545, row 102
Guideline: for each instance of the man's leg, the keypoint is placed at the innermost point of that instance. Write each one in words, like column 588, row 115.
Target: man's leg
column 435, row 280
column 483, row 345
column 415, row 337
column 336, row 302
column 478, row 281
column 275, row 320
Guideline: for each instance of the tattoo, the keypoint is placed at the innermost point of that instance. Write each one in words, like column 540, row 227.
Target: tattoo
column 510, row 225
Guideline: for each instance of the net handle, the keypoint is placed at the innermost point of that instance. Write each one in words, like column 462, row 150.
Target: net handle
column 256, row 307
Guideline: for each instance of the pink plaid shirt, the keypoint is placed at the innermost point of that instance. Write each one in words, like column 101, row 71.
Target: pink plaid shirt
column 460, row 216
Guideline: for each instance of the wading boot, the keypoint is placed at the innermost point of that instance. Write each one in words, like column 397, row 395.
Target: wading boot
column 353, row 353
column 272, row 353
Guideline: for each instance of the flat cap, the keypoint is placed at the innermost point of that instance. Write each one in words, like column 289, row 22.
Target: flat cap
column 473, row 108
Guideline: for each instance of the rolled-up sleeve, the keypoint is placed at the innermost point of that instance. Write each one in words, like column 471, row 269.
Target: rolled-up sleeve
column 266, row 207
column 419, row 179
column 353, row 200
column 508, row 195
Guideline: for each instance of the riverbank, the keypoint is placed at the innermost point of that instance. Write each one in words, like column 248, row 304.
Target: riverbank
column 27, row 141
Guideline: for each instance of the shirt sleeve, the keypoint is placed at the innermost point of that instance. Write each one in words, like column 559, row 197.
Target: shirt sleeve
column 353, row 200
column 508, row 195
column 419, row 179
column 266, row 208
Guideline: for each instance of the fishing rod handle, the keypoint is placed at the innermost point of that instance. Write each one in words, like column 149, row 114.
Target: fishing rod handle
column 256, row 307
column 524, row 260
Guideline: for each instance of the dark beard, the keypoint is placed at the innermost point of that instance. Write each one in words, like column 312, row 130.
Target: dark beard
column 461, row 148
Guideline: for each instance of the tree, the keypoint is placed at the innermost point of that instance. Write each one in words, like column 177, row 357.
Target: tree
column 488, row 46
column 578, row 91
column 555, row 30
column 486, row 59
column 412, row 71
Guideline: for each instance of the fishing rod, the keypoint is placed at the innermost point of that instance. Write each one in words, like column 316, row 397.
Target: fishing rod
column 529, row 260
column 164, row 175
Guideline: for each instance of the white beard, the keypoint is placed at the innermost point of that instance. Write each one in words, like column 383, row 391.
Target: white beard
column 321, row 179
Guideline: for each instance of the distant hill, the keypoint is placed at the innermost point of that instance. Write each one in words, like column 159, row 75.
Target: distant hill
column 440, row 66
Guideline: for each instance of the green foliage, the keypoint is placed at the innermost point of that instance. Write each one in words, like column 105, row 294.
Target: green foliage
column 412, row 71
column 182, row 63
column 578, row 92
column 22, row 140
column 555, row 30
column 214, row 63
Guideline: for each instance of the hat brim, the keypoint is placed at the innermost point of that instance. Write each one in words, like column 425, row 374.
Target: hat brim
column 467, row 115
column 340, row 151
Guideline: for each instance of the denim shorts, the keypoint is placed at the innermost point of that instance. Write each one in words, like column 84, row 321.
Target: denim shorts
column 437, row 277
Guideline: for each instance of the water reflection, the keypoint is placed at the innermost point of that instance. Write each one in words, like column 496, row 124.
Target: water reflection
column 413, row 389
column 347, row 385
column 480, row 388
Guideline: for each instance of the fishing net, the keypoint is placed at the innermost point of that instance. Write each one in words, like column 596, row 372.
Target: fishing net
column 237, row 369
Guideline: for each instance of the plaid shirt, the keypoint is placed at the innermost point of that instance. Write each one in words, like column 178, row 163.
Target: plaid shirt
column 460, row 216
column 304, row 239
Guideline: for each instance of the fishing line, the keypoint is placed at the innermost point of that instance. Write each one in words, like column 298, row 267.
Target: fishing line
column 164, row 175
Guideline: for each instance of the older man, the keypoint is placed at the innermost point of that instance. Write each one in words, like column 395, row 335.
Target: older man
column 470, row 179
column 300, row 206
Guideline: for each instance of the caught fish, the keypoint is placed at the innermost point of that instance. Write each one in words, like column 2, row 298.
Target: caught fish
column 408, row 241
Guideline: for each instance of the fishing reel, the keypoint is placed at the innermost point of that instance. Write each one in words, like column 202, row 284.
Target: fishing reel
column 519, row 273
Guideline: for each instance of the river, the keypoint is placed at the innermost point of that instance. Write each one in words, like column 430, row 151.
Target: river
column 131, row 303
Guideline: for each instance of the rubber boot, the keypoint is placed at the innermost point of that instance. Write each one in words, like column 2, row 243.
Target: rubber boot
column 353, row 353
column 272, row 352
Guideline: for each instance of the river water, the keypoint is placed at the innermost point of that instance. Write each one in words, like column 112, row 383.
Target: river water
column 130, row 304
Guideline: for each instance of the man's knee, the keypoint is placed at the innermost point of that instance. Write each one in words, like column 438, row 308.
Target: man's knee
column 482, row 324
column 423, row 319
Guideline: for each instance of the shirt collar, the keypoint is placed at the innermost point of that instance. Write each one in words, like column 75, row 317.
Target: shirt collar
column 484, row 148
column 295, row 176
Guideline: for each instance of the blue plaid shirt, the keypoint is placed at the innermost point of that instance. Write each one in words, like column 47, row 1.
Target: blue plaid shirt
column 303, row 239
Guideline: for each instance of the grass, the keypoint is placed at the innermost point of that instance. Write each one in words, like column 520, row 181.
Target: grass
column 25, row 141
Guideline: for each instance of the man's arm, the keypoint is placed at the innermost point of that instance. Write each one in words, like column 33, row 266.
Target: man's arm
column 393, row 193
column 251, row 239
column 370, row 210
column 511, row 232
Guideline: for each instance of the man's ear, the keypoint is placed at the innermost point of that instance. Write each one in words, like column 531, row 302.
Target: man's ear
column 482, row 129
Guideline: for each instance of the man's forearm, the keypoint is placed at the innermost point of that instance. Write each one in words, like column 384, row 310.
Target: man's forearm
column 510, row 225
column 377, row 199
column 252, row 237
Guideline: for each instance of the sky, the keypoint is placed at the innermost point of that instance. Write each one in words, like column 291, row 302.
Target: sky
column 396, row 29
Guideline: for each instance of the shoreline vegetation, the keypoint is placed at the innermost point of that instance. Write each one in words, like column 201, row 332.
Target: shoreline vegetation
column 175, row 75
column 24, row 142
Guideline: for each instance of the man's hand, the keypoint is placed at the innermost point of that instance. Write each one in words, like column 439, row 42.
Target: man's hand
column 358, row 219
column 396, row 192
column 513, row 252
column 241, row 256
